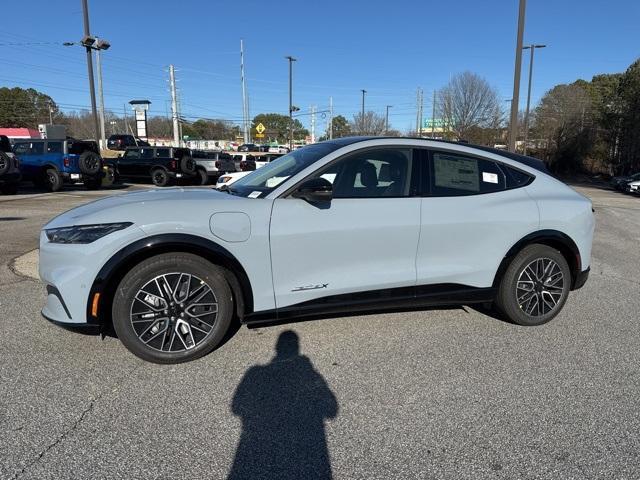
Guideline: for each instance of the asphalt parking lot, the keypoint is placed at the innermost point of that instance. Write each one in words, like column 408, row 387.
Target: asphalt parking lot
column 444, row 393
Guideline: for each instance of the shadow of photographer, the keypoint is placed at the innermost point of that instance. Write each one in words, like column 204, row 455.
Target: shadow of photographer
column 283, row 406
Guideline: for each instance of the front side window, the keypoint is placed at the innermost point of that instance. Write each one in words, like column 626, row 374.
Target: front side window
column 22, row 148
column 132, row 154
column 384, row 172
column 264, row 180
column 454, row 175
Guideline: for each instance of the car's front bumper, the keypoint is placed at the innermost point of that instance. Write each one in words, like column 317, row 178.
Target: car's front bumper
column 68, row 271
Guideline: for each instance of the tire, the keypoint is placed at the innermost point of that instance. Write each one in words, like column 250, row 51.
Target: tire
column 9, row 189
column 201, row 177
column 5, row 163
column 90, row 163
column 180, row 332
column 160, row 177
column 52, row 180
column 187, row 165
column 535, row 286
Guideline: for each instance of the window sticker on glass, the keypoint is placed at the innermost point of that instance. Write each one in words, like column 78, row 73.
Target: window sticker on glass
column 489, row 177
column 254, row 194
column 455, row 172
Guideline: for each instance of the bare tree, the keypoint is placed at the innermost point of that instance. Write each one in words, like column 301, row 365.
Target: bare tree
column 370, row 124
column 468, row 102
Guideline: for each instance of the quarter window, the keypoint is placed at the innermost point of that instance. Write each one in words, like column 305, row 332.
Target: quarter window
column 454, row 175
column 371, row 174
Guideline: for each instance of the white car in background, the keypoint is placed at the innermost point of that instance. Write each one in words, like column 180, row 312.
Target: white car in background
column 228, row 178
column 633, row 187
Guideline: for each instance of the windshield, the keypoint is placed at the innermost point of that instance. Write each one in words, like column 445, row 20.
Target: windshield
column 264, row 180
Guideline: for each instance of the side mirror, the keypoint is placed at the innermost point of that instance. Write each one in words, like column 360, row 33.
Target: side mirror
column 314, row 190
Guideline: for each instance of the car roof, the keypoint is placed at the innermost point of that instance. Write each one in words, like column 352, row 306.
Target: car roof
column 516, row 157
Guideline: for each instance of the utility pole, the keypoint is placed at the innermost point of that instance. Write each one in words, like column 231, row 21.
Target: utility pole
column 291, row 60
column 386, row 120
column 330, row 118
column 433, row 117
column 515, row 100
column 92, row 88
column 174, row 107
column 362, row 113
column 50, row 113
column 419, row 109
column 532, row 47
column 245, row 107
column 103, row 137
column 313, row 124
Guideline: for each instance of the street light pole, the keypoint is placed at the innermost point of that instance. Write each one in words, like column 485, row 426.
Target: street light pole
column 291, row 60
column 92, row 88
column 386, row 121
column 362, row 113
column 513, row 122
column 531, row 47
column 103, row 137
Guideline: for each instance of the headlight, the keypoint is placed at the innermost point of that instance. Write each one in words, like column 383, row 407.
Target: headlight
column 83, row 233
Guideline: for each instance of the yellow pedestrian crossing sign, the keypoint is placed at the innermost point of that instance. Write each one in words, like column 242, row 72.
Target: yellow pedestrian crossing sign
column 260, row 128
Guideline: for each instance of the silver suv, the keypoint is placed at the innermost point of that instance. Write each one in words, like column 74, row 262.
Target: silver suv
column 9, row 168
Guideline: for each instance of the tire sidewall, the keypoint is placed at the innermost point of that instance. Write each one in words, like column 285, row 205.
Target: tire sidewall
column 507, row 296
column 169, row 263
column 165, row 177
column 52, row 180
column 202, row 176
column 94, row 160
column 5, row 163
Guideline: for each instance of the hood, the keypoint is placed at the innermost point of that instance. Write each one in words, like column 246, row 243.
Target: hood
column 145, row 206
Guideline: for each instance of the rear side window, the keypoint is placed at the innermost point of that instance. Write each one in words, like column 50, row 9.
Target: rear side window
column 54, row 147
column 454, row 175
column 162, row 152
column 147, row 153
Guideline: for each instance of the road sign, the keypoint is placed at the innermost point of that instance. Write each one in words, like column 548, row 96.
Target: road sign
column 259, row 135
column 260, row 128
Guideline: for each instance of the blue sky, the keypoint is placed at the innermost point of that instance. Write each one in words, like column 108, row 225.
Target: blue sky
column 387, row 48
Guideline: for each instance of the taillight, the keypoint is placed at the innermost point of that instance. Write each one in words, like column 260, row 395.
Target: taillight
column 172, row 164
column 66, row 161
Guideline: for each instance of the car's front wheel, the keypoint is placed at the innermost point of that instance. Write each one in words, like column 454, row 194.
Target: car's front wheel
column 535, row 286
column 172, row 308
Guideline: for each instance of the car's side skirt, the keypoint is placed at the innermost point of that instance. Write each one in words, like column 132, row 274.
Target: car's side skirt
column 388, row 300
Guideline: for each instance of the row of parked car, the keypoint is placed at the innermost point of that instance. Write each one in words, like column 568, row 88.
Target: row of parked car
column 627, row 184
column 50, row 163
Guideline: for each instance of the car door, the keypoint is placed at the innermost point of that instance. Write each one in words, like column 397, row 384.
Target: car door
column 365, row 239
column 128, row 162
column 474, row 211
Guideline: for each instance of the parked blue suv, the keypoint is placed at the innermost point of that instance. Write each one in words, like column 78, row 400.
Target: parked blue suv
column 50, row 163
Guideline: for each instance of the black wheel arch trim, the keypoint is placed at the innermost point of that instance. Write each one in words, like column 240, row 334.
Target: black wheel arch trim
column 120, row 263
column 552, row 238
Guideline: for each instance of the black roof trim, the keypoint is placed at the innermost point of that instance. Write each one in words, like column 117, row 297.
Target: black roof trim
column 531, row 162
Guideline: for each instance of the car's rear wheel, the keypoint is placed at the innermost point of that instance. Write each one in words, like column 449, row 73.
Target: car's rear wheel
column 52, row 180
column 535, row 286
column 172, row 308
column 160, row 177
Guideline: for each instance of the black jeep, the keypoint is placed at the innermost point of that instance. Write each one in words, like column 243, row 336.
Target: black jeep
column 9, row 168
column 163, row 165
